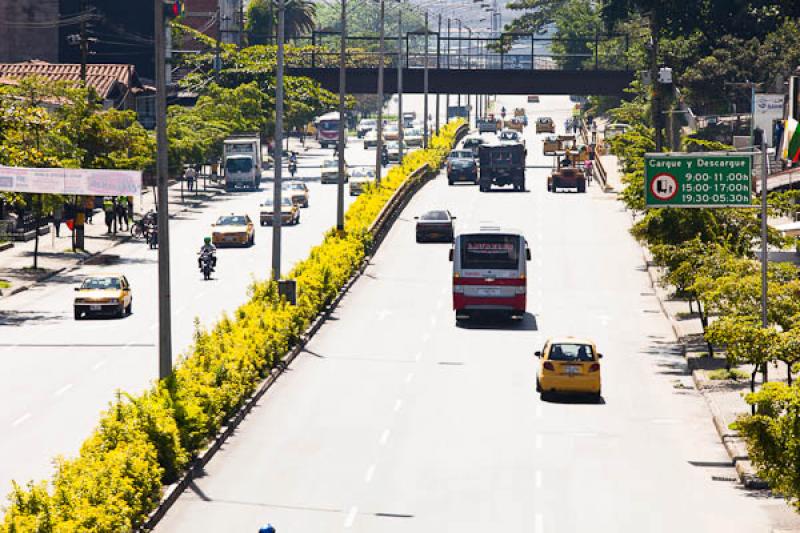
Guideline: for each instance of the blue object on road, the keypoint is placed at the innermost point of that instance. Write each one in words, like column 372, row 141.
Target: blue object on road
column 267, row 529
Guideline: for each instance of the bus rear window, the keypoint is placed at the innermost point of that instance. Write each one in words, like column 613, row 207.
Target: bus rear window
column 495, row 252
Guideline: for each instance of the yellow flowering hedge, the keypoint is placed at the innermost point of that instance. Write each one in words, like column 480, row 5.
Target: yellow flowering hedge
column 143, row 442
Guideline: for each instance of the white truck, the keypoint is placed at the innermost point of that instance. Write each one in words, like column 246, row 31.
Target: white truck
column 242, row 161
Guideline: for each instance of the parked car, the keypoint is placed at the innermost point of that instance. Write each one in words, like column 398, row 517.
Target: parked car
column 109, row 294
column 545, row 125
column 329, row 173
column 233, row 229
column 569, row 365
column 462, row 166
column 290, row 214
column 365, row 125
column 435, row 226
column 297, row 191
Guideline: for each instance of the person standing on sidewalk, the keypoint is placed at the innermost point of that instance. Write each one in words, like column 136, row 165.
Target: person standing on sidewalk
column 108, row 209
column 88, row 206
column 58, row 217
column 190, row 176
column 122, row 212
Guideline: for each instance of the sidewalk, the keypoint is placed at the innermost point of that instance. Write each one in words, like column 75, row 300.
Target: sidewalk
column 725, row 398
column 55, row 253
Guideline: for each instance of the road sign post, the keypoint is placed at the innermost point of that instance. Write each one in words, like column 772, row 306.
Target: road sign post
column 698, row 180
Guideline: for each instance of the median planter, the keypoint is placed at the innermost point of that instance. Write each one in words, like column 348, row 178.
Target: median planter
column 147, row 441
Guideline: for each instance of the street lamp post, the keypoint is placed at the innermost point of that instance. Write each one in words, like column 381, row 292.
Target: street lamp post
column 425, row 89
column 342, row 127
column 400, row 135
column 381, row 52
column 438, row 58
column 276, row 186
column 459, row 61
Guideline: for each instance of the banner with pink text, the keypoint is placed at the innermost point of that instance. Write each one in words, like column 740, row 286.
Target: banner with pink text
column 71, row 181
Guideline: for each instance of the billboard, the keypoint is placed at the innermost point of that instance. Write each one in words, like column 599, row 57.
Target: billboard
column 71, row 181
column 768, row 110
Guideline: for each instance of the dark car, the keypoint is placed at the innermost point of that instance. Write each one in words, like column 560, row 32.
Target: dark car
column 461, row 166
column 435, row 226
column 472, row 142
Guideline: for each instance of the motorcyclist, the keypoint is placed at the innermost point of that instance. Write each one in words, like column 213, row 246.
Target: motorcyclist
column 210, row 249
column 266, row 529
column 384, row 156
column 292, row 163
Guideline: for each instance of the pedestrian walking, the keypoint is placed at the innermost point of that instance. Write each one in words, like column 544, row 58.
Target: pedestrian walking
column 190, row 175
column 58, row 217
column 122, row 212
column 108, row 210
column 88, row 208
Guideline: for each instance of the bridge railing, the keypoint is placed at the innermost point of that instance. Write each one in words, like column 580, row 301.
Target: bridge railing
column 510, row 51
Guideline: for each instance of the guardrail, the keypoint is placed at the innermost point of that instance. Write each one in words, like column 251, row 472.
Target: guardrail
column 600, row 173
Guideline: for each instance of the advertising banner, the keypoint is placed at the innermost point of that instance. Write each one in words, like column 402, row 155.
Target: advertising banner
column 769, row 109
column 71, row 181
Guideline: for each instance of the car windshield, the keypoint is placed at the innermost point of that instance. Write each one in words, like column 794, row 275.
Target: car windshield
column 571, row 352
column 330, row 163
column 509, row 136
column 496, row 252
column 294, row 186
column 101, row 283
column 368, row 122
column 239, row 165
column 232, row 220
column 461, row 154
column 440, row 216
column 544, row 121
column 473, row 142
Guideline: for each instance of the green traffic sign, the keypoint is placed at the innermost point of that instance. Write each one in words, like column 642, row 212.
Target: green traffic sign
column 697, row 180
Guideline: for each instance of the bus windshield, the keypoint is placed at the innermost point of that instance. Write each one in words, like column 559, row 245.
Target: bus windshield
column 329, row 125
column 490, row 252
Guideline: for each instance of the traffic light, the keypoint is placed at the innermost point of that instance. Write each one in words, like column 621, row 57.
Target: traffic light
column 174, row 8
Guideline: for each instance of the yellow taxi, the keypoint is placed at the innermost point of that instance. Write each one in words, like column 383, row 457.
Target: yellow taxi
column 569, row 365
column 109, row 295
column 233, row 229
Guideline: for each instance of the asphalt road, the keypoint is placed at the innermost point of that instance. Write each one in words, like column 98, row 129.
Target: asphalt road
column 56, row 374
column 397, row 419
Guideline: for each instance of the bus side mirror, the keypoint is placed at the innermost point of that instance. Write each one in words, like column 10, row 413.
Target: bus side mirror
column 527, row 254
column 538, row 354
column 451, row 254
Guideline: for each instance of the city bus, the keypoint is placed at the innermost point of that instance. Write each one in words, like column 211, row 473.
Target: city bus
column 489, row 272
column 327, row 127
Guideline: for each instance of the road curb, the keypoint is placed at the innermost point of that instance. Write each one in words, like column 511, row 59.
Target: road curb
column 172, row 492
column 6, row 246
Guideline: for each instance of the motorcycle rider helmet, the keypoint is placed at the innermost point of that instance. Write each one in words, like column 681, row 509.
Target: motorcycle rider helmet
column 207, row 240
column 267, row 529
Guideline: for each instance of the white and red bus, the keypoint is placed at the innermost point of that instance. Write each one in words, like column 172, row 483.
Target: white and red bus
column 489, row 272
column 327, row 126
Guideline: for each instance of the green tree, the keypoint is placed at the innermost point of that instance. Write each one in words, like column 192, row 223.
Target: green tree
column 262, row 20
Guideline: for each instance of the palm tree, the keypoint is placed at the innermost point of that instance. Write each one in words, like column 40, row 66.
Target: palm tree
column 262, row 20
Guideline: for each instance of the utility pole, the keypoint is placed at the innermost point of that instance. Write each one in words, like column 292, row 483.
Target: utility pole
column 162, row 168
column 447, row 95
column 425, row 89
column 277, row 185
column 764, row 234
column 79, row 241
column 654, row 83
column 218, row 46
column 381, row 53
column 342, row 125
column 400, row 132
column 459, row 62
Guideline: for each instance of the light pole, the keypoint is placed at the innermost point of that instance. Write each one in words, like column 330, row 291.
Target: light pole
column 381, row 51
column 459, row 61
column 276, row 186
column 438, row 66
column 162, row 169
column 342, row 128
column 400, row 135
column 425, row 89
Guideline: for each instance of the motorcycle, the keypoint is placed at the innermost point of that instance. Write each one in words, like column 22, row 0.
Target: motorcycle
column 152, row 237
column 385, row 157
column 206, row 264
column 292, row 168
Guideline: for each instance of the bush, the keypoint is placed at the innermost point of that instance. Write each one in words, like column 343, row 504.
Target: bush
column 145, row 441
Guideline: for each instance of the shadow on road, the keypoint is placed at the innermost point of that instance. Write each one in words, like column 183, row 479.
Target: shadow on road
column 26, row 318
column 500, row 322
column 572, row 399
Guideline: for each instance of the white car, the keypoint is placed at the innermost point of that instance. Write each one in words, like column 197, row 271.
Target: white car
column 366, row 125
column 329, row 173
column 360, row 178
column 371, row 139
column 413, row 136
column 297, row 191
column 393, row 150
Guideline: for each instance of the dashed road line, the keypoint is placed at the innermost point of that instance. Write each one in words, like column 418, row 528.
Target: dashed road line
column 385, row 437
column 20, row 420
column 398, row 405
column 538, row 479
column 98, row 365
column 539, row 519
column 351, row 517
column 370, row 473
column 63, row 389
column 538, row 411
column 539, row 442
column 426, row 337
column 418, row 356
column 409, row 377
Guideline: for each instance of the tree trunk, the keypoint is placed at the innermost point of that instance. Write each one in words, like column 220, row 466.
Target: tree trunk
column 753, row 387
column 789, row 374
column 704, row 323
column 37, row 221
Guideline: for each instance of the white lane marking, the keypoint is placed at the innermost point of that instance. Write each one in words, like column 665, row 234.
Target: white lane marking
column 63, row 389
column 98, row 365
column 538, row 442
column 383, row 313
column 369, row 474
column 539, row 523
column 20, row 420
column 538, row 411
column 434, row 320
column 604, row 319
column 351, row 516
column 198, row 296
column 409, row 377
column 385, row 437
column 426, row 337
column 538, row 479
column 418, row 356
column 398, row 405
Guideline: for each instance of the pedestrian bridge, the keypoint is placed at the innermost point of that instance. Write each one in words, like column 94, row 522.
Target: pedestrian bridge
column 509, row 64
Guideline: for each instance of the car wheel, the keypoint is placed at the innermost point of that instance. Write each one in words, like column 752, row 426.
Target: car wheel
column 253, row 240
column 78, row 314
column 449, row 181
column 538, row 386
column 129, row 309
column 582, row 186
column 419, row 238
column 121, row 312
